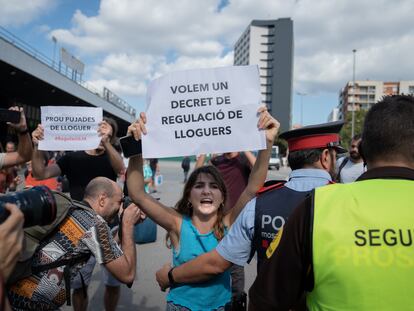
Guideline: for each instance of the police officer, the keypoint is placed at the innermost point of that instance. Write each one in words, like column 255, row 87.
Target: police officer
column 351, row 246
column 312, row 158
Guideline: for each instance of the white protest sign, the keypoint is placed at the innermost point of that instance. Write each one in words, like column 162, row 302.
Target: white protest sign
column 203, row 111
column 70, row 128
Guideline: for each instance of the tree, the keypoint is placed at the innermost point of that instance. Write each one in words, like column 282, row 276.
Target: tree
column 346, row 131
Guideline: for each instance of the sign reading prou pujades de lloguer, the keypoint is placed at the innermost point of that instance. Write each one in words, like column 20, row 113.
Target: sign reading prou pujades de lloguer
column 70, row 128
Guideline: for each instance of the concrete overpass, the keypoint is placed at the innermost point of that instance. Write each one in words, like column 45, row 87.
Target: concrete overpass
column 31, row 79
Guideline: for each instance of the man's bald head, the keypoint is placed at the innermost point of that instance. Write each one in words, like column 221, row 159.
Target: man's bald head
column 99, row 185
column 104, row 196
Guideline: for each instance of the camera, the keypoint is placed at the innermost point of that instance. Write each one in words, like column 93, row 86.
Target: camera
column 37, row 204
column 127, row 202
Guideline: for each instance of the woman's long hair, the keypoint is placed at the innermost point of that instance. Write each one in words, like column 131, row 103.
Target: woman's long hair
column 185, row 208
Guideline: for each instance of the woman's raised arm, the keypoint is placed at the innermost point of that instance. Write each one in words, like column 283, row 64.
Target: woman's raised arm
column 165, row 216
column 259, row 171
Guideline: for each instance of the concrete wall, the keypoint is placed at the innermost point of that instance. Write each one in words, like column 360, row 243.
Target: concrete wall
column 27, row 63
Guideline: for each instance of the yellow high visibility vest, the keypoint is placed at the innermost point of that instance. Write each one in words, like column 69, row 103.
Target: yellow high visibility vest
column 363, row 246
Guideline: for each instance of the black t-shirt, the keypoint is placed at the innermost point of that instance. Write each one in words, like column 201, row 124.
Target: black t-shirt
column 80, row 168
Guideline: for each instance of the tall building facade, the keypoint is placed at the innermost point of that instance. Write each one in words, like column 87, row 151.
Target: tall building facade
column 269, row 44
column 334, row 115
column 367, row 93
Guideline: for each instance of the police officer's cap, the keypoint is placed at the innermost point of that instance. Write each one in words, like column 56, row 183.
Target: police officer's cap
column 317, row 136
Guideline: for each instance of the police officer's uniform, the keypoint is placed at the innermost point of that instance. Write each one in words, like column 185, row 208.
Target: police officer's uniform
column 262, row 217
column 350, row 246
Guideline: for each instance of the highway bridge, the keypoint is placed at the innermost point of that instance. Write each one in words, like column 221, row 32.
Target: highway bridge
column 31, row 79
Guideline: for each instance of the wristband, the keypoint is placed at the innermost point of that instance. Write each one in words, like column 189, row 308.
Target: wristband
column 24, row 132
column 171, row 278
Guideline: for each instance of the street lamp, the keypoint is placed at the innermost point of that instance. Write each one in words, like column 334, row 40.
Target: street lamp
column 54, row 50
column 353, row 97
column 301, row 94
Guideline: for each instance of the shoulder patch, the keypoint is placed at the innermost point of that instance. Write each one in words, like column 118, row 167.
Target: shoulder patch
column 274, row 244
column 271, row 185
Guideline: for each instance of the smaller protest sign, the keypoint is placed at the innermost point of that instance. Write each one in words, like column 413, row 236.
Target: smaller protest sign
column 70, row 128
column 203, row 111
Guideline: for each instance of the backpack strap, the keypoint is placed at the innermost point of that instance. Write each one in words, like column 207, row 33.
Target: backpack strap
column 338, row 176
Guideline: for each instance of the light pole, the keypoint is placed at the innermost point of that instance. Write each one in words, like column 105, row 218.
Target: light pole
column 301, row 94
column 54, row 50
column 353, row 97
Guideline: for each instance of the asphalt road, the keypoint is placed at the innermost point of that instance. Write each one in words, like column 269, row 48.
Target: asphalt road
column 145, row 294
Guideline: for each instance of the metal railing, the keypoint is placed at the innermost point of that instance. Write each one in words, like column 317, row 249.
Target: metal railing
column 59, row 67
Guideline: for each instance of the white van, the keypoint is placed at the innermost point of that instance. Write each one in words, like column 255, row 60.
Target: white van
column 274, row 158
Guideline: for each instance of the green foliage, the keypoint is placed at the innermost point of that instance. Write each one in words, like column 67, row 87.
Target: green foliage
column 346, row 131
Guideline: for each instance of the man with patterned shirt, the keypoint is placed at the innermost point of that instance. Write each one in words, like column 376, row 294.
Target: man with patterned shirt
column 83, row 232
column 80, row 167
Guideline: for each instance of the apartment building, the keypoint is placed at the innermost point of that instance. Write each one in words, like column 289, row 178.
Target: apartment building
column 367, row 93
column 269, row 44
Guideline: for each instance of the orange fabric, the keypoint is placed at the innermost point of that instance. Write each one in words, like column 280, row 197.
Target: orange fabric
column 52, row 183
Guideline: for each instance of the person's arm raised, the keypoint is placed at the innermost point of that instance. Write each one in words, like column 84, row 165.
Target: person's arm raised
column 250, row 158
column 114, row 157
column 259, row 171
column 24, row 148
column 166, row 217
column 200, row 161
column 39, row 169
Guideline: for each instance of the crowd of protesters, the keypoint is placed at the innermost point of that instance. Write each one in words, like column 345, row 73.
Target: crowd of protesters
column 320, row 245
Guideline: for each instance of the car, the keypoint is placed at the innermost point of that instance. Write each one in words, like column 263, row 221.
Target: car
column 275, row 158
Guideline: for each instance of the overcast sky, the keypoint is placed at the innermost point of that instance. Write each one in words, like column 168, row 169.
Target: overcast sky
column 126, row 43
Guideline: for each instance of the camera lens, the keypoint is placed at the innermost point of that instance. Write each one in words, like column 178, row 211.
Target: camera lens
column 37, row 204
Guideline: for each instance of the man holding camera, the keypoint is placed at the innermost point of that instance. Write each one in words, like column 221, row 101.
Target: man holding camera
column 11, row 230
column 84, row 232
column 80, row 167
